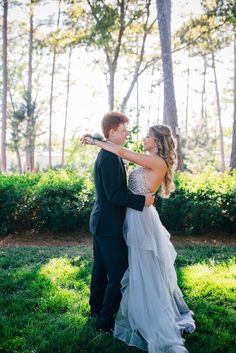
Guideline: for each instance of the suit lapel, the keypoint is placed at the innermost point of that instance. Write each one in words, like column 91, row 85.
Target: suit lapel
column 123, row 168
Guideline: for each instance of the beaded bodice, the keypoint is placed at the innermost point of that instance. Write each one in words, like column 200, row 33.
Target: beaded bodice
column 136, row 182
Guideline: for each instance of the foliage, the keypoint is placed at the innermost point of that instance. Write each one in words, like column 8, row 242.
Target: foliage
column 16, row 118
column 120, row 30
column 27, row 110
column 80, row 156
column 58, row 200
column 205, row 34
column 15, row 194
column 199, row 148
column 44, row 300
column 96, row 24
column 201, row 203
column 62, row 200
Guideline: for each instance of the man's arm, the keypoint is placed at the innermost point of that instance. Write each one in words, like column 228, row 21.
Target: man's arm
column 110, row 172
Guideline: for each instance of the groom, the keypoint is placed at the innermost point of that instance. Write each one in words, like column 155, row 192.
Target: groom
column 106, row 222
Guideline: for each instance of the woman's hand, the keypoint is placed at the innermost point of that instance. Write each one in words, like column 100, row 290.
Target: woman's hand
column 87, row 140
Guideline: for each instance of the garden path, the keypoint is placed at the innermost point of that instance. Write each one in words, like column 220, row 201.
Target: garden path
column 46, row 238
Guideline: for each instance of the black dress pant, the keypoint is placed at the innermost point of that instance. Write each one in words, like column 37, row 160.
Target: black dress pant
column 110, row 264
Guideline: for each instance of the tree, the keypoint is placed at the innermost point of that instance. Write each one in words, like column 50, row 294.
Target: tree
column 187, row 97
column 226, row 11
column 25, row 69
column 16, row 117
column 4, row 88
column 233, row 150
column 55, row 44
column 118, row 28
column 29, row 119
column 222, row 146
column 232, row 19
column 19, row 120
column 214, row 36
column 146, row 29
column 198, row 148
column 170, row 112
column 66, row 112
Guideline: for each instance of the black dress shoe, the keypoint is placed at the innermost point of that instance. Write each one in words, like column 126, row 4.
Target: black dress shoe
column 106, row 331
column 93, row 315
column 105, row 325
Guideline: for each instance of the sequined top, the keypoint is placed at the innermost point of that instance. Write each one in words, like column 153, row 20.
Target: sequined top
column 136, row 182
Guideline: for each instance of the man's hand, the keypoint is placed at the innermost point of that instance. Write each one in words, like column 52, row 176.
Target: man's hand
column 149, row 199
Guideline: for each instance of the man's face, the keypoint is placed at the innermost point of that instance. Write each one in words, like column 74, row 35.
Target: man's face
column 119, row 135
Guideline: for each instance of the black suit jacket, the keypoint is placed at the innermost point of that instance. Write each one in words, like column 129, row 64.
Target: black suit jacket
column 112, row 196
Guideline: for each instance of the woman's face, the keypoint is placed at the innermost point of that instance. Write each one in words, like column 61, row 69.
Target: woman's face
column 149, row 143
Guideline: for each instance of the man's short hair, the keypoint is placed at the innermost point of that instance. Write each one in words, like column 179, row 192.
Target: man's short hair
column 112, row 120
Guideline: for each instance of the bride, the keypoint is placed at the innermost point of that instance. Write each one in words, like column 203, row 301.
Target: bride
column 153, row 313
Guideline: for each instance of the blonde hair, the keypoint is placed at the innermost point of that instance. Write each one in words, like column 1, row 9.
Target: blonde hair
column 166, row 150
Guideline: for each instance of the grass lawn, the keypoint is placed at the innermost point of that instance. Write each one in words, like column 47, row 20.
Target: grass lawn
column 44, row 300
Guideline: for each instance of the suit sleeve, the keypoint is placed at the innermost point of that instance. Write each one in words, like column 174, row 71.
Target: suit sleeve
column 112, row 184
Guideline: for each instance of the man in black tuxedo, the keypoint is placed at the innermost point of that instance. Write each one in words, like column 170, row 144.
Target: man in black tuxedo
column 106, row 223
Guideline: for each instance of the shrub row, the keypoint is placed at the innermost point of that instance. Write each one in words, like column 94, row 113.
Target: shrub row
column 201, row 203
column 61, row 200
column 58, row 200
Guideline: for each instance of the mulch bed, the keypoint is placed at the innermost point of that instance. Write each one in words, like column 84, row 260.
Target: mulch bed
column 44, row 238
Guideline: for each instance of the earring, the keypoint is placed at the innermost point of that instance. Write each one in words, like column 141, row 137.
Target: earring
column 156, row 149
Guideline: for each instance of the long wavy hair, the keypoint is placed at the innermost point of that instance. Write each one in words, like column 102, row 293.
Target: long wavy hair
column 165, row 149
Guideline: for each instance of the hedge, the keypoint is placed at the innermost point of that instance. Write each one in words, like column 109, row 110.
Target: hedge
column 61, row 200
column 58, row 200
column 201, row 203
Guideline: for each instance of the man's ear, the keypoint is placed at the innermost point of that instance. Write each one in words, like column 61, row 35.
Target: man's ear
column 111, row 132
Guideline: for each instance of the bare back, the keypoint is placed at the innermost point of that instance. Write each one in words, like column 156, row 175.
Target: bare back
column 154, row 176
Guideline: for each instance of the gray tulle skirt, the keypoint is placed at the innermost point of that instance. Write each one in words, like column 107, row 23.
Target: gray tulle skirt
column 153, row 313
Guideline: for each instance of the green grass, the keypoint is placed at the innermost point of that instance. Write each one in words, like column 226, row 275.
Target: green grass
column 44, row 300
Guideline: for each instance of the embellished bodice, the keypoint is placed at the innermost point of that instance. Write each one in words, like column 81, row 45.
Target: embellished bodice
column 137, row 183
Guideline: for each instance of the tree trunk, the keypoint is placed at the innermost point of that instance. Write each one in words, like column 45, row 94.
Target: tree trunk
column 51, row 93
column 168, row 13
column 203, row 107
column 66, row 113
column 170, row 111
column 112, row 61
column 233, row 150
column 29, row 128
column 187, row 97
column 168, row 21
column 137, row 108
column 4, row 88
column 50, row 111
column 18, row 159
column 31, row 137
column 15, row 133
column 111, row 87
column 222, row 148
column 146, row 31
column 158, row 102
column 150, row 97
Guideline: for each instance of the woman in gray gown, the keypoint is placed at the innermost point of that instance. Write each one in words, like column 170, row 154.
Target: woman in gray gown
column 153, row 313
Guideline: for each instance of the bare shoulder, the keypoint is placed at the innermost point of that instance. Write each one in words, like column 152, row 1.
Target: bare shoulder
column 158, row 163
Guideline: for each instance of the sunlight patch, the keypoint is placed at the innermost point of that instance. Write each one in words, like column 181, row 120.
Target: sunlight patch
column 60, row 271
column 214, row 280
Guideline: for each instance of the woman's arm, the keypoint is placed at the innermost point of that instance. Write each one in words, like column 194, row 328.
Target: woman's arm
column 143, row 160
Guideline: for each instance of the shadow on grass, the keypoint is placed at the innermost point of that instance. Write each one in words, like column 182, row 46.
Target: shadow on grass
column 44, row 303
column 44, row 300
